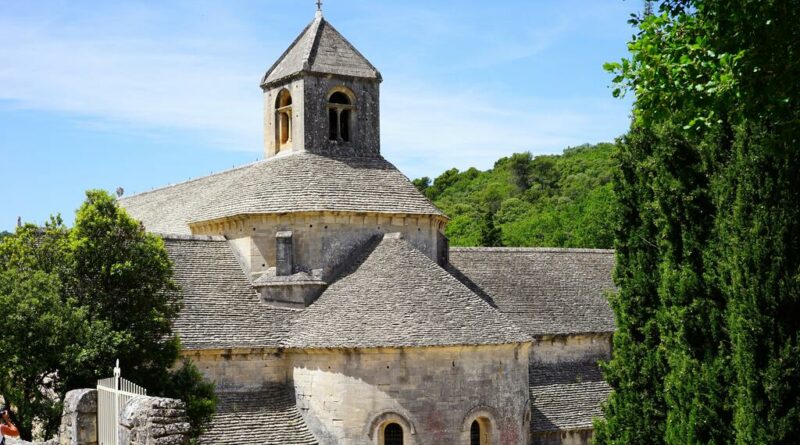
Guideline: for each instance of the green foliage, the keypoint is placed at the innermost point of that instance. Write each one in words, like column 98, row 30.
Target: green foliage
column 558, row 201
column 40, row 334
column 4, row 234
column 636, row 411
column 422, row 183
column 188, row 385
column 76, row 299
column 711, row 164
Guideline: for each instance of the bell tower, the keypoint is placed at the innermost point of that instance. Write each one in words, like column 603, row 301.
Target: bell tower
column 321, row 96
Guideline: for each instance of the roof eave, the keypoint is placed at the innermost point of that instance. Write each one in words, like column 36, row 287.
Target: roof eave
column 269, row 83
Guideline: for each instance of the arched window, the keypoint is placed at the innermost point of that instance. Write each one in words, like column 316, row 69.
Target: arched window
column 480, row 430
column 475, row 433
column 283, row 120
column 340, row 116
column 391, row 428
column 393, row 434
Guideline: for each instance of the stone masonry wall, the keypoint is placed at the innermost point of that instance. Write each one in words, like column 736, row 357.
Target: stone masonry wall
column 154, row 421
column 434, row 393
column 324, row 240
column 242, row 370
column 144, row 421
column 79, row 418
column 271, row 146
column 571, row 348
column 310, row 116
column 572, row 437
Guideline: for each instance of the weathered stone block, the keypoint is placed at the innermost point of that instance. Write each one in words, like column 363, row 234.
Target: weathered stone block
column 79, row 418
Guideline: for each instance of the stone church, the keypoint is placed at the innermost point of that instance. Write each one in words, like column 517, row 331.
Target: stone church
column 320, row 293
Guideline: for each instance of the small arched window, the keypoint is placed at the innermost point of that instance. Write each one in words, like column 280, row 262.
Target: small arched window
column 479, row 432
column 393, row 434
column 283, row 120
column 475, row 433
column 340, row 117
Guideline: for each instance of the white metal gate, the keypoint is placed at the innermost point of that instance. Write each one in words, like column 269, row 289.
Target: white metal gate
column 112, row 393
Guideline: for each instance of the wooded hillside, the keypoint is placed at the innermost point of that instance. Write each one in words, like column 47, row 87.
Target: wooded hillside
column 550, row 200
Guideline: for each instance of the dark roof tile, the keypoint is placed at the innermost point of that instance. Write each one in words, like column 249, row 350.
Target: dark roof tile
column 265, row 417
column 220, row 308
column 542, row 290
column 566, row 396
column 294, row 182
column 320, row 49
column 395, row 296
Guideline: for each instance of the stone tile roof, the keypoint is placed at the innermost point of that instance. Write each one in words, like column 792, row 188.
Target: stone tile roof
column 320, row 49
column 265, row 417
column 395, row 296
column 566, row 396
column 220, row 308
column 542, row 290
column 289, row 183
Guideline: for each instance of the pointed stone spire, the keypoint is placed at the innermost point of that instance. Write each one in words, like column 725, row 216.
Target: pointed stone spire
column 320, row 49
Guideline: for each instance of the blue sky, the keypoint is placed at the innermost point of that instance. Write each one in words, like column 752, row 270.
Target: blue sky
column 142, row 94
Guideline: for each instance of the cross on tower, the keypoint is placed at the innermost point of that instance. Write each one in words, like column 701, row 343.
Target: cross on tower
column 319, row 5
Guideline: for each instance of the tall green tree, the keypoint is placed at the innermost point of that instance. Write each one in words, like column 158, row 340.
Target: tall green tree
column 80, row 298
column 715, row 84
column 636, row 411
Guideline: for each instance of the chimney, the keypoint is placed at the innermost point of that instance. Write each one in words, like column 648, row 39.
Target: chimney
column 442, row 249
column 284, row 253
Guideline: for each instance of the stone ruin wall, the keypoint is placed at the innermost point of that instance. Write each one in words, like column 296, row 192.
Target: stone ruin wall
column 144, row 421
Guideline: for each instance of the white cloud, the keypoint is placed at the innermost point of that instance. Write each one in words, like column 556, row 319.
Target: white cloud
column 428, row 130
column 208, row 86
column 145, row 83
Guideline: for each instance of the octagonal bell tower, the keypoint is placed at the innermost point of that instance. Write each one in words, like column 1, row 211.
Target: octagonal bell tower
column 321, row 96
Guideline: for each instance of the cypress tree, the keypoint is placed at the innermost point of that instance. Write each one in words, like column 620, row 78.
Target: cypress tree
column 716, row 86
column 636, row 410
column 760, row 227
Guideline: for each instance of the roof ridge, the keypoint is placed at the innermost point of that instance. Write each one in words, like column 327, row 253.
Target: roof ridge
column 287, row 50
column 181, row 237
column 532, row 249
column 444, row 319
column 310, row 54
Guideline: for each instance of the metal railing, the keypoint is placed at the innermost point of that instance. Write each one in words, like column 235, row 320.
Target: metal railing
column 112, row 393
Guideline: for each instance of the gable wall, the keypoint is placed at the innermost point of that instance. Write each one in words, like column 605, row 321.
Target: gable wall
column 323, row 240
column 342, row 394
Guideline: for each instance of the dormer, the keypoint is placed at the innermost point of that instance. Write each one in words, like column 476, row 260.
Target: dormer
column 321, row 96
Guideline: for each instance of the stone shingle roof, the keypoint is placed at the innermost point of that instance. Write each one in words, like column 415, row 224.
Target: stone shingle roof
column 294, row 182
column 220, row 308
column 542, row 290
column 265, row 417
column 566, row 396
column 395, row 296
column 320, row 49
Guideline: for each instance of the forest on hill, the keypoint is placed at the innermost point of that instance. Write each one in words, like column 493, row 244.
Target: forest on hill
column 544, row 201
